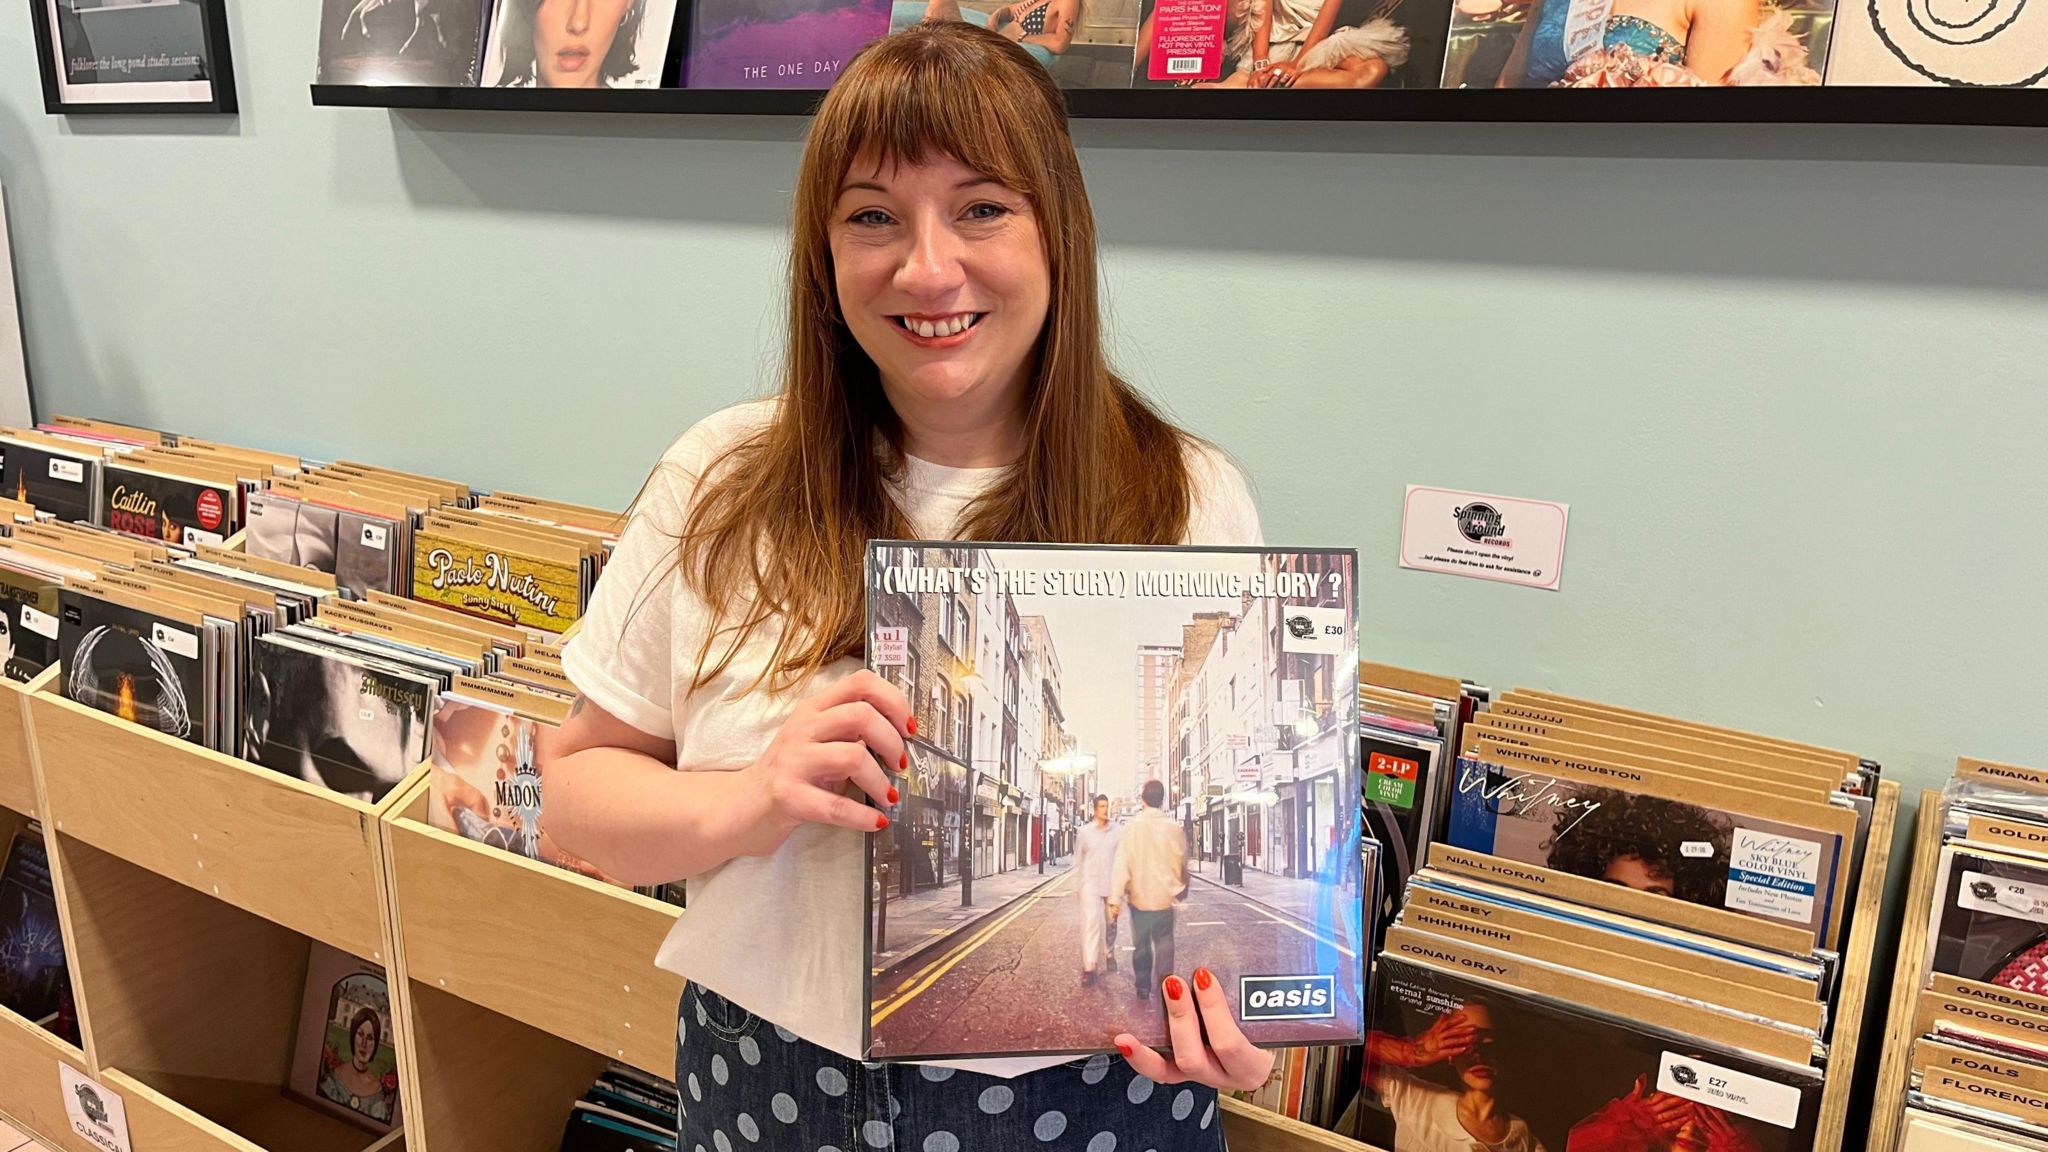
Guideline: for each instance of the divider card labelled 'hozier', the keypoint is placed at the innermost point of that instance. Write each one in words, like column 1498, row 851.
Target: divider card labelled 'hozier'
column 1128, row 764
column 1705, row 844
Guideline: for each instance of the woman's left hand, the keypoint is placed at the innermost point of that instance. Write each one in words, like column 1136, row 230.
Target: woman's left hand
column 1226, row 1062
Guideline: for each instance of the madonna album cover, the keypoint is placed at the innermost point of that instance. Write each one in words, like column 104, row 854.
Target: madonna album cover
column 1129, row 763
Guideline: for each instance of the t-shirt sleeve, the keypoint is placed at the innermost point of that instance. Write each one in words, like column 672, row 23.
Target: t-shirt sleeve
column 621, row 657
column 1222, row 512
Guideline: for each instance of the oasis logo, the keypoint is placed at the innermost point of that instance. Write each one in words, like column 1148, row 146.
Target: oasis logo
column 1287, row 997
column 1479, row 522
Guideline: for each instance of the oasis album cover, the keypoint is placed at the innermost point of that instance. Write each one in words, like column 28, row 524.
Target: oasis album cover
column 1128, row 762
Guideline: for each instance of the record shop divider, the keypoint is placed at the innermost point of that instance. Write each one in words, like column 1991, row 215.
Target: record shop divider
column 189, row 884
column 1889, row 1099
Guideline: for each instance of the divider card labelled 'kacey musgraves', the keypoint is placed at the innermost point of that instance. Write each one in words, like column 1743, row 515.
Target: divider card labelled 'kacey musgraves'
column 1705, row 852
column 1128, row 764
column 496, row 583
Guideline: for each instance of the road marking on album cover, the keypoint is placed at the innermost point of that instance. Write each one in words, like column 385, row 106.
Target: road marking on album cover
column 1773, row 875
column 1286, row 997
column 1315, row 936
column 921, row 983
column 1694, row 1079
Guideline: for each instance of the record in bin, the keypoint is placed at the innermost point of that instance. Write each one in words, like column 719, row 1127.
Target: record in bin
column 1129, row 762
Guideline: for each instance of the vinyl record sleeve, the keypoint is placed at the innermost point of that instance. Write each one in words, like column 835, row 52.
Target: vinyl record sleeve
column 28, row 623
column 345, row 1055
column 499, row 584
column 1921, row 1131
column 148, row 668
column 1400, row 777
column 1207, row 698
column 1990, row 919
column 486, row 783
column 169, row 508
column 432, row 42
column 334, row 719
column 1694, row 852
column 1619, row 1070
column 33, row 977
column 64, row 484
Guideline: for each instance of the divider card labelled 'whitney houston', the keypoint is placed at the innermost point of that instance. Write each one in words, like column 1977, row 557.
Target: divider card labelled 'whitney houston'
column 1128, row 762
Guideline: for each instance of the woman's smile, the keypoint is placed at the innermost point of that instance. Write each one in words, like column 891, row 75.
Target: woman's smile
column 947, row 330
column 572, row 58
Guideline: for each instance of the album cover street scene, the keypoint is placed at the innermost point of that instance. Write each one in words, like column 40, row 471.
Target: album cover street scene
column 1128, row 763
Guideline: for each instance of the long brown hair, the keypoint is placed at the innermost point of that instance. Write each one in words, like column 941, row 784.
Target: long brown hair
column 779, row 528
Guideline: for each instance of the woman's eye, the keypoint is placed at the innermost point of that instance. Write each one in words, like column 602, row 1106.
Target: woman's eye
column 873, row 217
column 987, row 211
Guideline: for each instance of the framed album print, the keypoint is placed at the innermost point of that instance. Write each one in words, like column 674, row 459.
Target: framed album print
column 134, row 56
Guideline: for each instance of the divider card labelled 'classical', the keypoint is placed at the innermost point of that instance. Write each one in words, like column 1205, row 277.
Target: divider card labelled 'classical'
column 1128, row 763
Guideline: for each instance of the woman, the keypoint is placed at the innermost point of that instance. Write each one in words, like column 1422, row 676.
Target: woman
column 1708, row 39
column 944, row 378
column 1648, row 843
column 1045, row 28
column 567, row 43
column 1430, row 1117
column 350, row 1081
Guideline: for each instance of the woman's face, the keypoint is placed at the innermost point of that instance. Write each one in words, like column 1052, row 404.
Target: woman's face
column 1475, row 1066
column 942, row 278
column 365, row 1043
column 571, row 39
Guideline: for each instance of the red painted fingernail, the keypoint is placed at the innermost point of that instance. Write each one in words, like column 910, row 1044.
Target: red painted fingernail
column 913, row 726
column 904, row 764
column 892, row 795
column 1203, row 979
column 882, row 822
column 1125, row 1049
column 1174, row 988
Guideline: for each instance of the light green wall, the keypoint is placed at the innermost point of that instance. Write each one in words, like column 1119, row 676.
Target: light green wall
column 1788, row 379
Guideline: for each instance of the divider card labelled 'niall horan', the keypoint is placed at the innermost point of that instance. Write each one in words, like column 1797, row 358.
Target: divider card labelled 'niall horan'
column 1128, row 764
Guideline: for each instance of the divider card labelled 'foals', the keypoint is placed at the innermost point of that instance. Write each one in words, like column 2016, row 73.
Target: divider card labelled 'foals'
column 1622, row 831
column 1549, row 1074
column 1129, row 763
column 497, row 583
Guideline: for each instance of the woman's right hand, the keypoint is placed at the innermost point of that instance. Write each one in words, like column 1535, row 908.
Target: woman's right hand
column 1451, row 1034
column 840, row 735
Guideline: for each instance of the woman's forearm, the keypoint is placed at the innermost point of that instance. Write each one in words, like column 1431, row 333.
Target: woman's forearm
column 643, row 822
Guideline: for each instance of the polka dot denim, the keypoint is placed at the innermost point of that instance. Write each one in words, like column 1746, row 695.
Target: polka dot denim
column 747, row 1084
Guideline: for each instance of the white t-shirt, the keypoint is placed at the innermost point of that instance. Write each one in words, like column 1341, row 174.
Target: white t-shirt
column 1426, row 1118
column 780, row 936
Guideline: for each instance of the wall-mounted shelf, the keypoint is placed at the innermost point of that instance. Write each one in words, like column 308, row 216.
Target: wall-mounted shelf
column 1847, row 105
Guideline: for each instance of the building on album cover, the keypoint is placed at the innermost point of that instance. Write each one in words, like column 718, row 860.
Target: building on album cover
column 1128, row 763
column 1445, row 1045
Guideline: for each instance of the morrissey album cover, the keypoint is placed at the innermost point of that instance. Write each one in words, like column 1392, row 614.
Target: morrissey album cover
column 334, row 719
column 1445, row 1046
column 1699, row 853
column 1128, row 762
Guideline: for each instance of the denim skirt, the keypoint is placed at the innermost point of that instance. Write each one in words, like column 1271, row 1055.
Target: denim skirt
column 747, row 1084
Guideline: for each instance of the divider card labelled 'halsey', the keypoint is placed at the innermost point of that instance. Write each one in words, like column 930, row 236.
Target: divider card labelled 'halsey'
column 1129, row 763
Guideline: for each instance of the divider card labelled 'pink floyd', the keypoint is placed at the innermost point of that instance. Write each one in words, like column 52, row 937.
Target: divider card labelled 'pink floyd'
column 1701, row 853
column 1128, row 764
column 1539, row 1073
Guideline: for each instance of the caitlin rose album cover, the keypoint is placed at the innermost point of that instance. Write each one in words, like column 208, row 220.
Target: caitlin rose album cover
column 1128, row 763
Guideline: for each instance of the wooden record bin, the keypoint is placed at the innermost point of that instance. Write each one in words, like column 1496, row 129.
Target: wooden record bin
column 1889, row 1097
column 521, row 981
column 191, row 885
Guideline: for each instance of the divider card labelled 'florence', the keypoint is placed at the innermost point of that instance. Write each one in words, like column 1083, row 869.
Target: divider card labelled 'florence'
column 1129, row 763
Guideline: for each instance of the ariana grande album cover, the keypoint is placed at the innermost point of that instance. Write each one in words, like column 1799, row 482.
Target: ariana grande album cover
column 1128, row 763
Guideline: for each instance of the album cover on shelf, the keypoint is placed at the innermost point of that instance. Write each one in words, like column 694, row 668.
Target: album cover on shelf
column 157, row 506
column 62, row 481
column 1990, row 919
column 1445, row 1042
column 1184, row 765
column 360, row 550
column 1702, row 853
column 778, row 43
column 486, row 784
column 1921, row 1130
column 1583, row 44
column 1368, row 44
column 430, row 42
column 535, row 44
column 33, row 978
column 28, row 622
column 344, row 1055
column 149, row 667
column 350, row 723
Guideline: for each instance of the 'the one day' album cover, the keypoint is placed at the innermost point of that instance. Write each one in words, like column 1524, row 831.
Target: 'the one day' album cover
column 1128, row 763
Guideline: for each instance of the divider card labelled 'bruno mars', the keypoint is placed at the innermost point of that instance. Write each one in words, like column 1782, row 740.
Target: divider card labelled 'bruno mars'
column 1128, row 763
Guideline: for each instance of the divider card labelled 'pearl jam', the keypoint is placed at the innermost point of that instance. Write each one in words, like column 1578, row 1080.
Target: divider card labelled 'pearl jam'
column 1450, row 1050
column 1129, row 764
column 496, row 583
column 1705, row 853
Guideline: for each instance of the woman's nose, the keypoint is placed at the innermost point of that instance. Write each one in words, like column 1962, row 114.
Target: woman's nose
column 579, row 17
column 932, row 263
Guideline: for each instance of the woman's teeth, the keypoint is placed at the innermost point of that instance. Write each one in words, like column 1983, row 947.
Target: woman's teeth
column 951, row 326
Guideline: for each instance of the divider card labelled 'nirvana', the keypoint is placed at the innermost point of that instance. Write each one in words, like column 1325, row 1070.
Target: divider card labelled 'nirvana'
column 1129, row 763
column 1711, row 852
